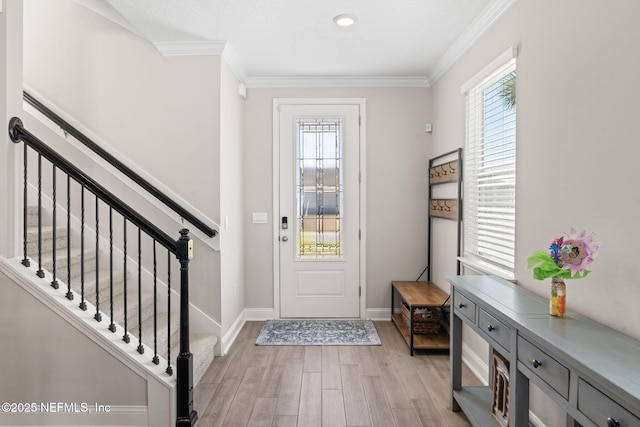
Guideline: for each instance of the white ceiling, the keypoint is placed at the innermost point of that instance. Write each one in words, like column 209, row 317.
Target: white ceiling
column 393, row 43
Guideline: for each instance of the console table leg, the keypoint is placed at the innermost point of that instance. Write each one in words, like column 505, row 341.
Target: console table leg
column 455, row 356
column 520, row 395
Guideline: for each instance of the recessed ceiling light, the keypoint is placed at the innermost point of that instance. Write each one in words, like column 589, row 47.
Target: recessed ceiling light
column 345, row 20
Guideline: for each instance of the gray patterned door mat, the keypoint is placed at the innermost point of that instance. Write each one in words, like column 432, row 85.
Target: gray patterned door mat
column 318, row 332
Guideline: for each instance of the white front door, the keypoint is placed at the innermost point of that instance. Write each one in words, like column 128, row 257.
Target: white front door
column 319, row 210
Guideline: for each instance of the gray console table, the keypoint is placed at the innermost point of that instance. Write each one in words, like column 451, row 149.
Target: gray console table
column 591, row 371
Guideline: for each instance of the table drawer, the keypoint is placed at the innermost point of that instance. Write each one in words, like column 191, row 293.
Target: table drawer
column 465, row 306
column 494, row 328
column 544, row 366
column 601, row 409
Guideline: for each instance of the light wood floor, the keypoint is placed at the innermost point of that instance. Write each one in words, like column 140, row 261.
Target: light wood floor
column 328, row 386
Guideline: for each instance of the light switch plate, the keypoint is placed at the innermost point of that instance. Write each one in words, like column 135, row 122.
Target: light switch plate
column 259, row 217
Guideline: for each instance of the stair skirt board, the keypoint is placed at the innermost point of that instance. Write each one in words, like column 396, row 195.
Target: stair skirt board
column 202, row 345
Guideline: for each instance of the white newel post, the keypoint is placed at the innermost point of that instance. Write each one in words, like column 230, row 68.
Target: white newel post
column 11, row 82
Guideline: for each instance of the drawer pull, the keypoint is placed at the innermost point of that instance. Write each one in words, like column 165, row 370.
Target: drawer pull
column 612, row 422
column 490, row 328
column 536, row 363
column 461, row 305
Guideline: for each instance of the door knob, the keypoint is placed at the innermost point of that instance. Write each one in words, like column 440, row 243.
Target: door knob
column 285, row 239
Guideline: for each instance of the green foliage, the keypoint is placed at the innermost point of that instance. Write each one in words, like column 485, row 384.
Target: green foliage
column 508, row 90
column 544, row 267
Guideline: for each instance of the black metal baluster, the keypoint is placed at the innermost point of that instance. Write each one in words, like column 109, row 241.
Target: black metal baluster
column 83, row 304
column 169, row 368
column 54, row 282
column 125, row 337
column 25, row 259
column 140, row 346
column 112, row 326
column 97, row 316
column 69, row 292
column 155, row 359
column 40, row 271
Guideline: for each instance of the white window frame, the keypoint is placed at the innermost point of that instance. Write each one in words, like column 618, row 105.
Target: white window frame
column 478, row 235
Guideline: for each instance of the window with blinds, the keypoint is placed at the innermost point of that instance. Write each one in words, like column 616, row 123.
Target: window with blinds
column 490, row 168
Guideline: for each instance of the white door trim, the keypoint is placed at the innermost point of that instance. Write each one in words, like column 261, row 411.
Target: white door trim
column 361, row 102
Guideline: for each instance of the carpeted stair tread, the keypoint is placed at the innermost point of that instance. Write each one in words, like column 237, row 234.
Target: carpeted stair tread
column 105, row 284
column 32, row 215
column 132, row 309
column 47, row 239
column 201, row 345
column 76, row 259
column 162, row 333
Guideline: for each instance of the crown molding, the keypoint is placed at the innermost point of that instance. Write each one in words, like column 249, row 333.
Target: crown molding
column 281, row 82
column 233, row 61
column 487, row 18
column 107, row 11
column 224, row 49
column 203, row 48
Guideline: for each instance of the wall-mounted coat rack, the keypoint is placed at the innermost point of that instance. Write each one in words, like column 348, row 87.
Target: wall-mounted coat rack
column 442, row 171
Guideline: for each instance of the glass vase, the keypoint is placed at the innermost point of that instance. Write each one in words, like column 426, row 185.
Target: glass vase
column 558, row 301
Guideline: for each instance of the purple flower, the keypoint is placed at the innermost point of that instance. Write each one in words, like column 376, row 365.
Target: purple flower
column 581, row 252
column 556, row 250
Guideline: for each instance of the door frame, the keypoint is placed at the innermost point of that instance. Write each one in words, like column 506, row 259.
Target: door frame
column 277, row 102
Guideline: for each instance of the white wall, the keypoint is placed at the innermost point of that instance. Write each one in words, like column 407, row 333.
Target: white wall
column 231, row 198
column 161, row 115
column 396, row 201
column 158, row 112
column 577, row 143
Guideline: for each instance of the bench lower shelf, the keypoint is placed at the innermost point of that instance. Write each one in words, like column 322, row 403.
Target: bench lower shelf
column 438, row 341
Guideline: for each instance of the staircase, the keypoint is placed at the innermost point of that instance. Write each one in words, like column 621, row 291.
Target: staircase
column 111, row 286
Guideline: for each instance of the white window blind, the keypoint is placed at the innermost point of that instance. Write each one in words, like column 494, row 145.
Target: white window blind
column 490, row 168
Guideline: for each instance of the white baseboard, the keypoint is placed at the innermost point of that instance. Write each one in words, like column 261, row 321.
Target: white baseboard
column 476, row 364
column 258, row 314
column 248, row 314
column 535, row 421
column 378, row 314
